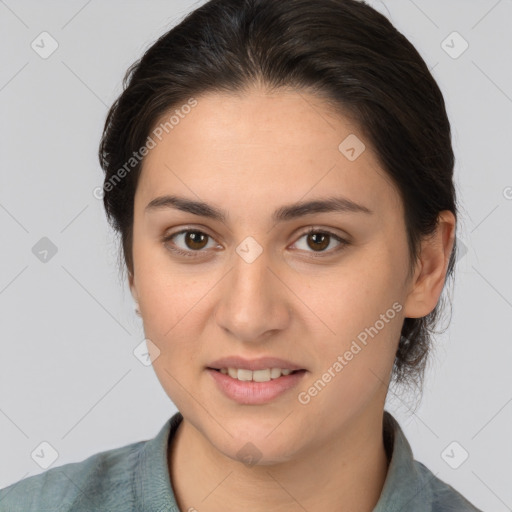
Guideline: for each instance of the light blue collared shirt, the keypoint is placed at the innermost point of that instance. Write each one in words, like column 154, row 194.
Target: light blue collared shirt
column 136, row 478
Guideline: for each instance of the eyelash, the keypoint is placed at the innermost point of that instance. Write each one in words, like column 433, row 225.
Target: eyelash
column 315, row 254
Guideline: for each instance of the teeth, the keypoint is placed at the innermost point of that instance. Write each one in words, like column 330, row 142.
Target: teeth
column 260, row 375
column 257, row 375
column 244, row 374
column 275, row 373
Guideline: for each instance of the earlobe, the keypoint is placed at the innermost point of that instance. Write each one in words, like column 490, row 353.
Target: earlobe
column 133, row 288
column 414, row 308
column 429, row 278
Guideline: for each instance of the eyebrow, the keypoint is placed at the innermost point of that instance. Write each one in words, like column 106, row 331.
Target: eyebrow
column 282, row 214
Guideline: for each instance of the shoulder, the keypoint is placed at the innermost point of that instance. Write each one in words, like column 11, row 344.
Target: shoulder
column 444, row 497
column 409, row 484
column 103, row 481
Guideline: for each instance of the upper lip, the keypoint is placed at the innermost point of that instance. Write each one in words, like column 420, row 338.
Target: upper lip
column 253, row 364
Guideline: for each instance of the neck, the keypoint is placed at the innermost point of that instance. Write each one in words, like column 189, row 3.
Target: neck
column 345, row 473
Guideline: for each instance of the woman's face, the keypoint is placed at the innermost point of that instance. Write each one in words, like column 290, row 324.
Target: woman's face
column 255, row 285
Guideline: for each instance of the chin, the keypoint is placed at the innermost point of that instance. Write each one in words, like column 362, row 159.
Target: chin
column 254, row 446
column 251, row 454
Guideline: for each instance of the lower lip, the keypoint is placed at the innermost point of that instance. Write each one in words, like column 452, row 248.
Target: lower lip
column 255, row 393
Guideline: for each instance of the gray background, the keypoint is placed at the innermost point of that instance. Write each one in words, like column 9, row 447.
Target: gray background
column 68, row 375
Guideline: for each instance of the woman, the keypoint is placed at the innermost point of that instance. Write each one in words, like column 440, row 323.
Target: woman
column 280, row 174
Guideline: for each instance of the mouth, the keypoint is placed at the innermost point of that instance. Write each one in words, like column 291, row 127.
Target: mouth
column 256, row 381
column 264, row 375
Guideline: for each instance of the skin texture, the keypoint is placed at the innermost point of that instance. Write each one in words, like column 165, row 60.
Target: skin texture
column 250, row 154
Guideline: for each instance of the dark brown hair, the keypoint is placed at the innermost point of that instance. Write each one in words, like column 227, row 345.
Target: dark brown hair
column 342, row 50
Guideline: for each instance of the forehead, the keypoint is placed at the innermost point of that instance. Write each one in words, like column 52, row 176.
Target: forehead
column 261, row 146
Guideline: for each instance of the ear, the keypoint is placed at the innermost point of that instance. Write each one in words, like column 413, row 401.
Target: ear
column 133, row 288
column 429, row 277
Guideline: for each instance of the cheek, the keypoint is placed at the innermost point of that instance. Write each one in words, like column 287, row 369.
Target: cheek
column 353, row 296
column 173, row 321
column 354, row 365
column 168, row 292
column 362, row 305
column 172, row 310
column 172, row 301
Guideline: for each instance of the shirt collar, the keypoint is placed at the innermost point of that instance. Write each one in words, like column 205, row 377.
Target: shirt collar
column 405, row 487
column 152, row 481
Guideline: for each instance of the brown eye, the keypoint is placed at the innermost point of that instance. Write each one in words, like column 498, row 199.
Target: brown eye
column 318, row 241
column 188, row 242
column 195, row 240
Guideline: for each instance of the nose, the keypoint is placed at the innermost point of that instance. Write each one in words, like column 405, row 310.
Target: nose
column 253, row 301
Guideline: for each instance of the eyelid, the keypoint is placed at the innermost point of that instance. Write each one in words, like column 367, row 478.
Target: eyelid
column 343, row 241
column 189, row 253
